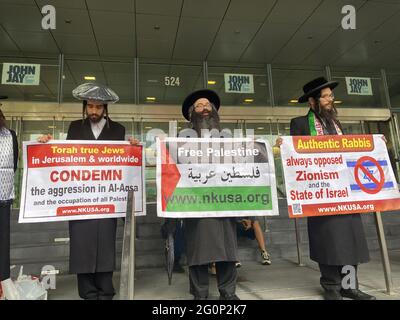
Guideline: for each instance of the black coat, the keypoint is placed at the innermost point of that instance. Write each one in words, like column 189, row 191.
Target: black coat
column 5, row 210
column 334, row 240
column 92, row 242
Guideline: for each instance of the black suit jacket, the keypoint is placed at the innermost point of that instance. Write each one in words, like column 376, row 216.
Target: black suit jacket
column 81, row 130
column 300, row 127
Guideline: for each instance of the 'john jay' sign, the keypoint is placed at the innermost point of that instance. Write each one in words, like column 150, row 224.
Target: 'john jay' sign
column 239, row 83
column 21, row 74
column 359, row 86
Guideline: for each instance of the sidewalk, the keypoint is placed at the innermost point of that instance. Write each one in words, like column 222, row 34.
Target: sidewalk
column 283, row 280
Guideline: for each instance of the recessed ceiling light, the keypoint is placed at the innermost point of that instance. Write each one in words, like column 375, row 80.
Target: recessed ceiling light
column 211, row 82
column 152, row 81
column 151, row 98
column 51, row 127
column 248, row 100
column 260, row 128
column 89, row 78
column 263, row 84
column 294, row 101
column 148, row 127
column 338, row 101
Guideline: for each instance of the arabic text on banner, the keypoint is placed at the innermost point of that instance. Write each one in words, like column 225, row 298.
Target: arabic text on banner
column 332, row 175
column 215, row 178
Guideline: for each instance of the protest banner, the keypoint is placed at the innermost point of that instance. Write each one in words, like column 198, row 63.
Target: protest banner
column 77, row 180
column 343, row 174
column 215, row 177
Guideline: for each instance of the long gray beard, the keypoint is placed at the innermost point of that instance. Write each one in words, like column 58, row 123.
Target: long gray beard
column 211, row 122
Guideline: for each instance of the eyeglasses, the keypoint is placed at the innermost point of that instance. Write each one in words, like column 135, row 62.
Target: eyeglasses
column 327, row 96
column 202, row 106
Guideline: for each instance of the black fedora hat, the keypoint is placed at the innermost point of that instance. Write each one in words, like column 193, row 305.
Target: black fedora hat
column 194, row 96
column 315, row 86
column 3, row 97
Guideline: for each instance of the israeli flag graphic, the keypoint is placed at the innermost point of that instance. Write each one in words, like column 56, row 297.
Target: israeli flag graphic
column 369, row 180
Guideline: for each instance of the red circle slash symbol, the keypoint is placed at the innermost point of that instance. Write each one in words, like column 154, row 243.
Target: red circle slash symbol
column 359, row 166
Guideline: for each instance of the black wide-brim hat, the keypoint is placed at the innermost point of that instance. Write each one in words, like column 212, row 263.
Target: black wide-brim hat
column 3, row 97
column 194, row 96
column 315, row 86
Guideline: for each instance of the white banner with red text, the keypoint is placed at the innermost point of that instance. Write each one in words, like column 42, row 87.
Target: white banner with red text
column 78, row 180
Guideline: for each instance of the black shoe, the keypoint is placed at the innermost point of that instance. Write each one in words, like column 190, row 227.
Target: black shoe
column 178, row 268
column 229, row 297
column 332, row 295
column 356, row 294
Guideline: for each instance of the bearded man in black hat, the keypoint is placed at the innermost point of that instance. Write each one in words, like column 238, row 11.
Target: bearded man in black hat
column 92, row 242
column 335, row 241
column 8, row 165
column 209, row 240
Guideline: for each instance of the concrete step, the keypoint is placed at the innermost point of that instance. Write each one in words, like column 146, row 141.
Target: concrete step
column 153, row 229
column 37, row 227
column 149, row 237
column 37, row 252
column 35, row 268
column 37, row 237
column 149, row 230
column 155, row 258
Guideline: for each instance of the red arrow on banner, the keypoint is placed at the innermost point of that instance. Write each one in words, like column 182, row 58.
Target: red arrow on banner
column 169, row 176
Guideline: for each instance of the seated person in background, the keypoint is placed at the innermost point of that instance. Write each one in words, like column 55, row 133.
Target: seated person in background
column 250, row 227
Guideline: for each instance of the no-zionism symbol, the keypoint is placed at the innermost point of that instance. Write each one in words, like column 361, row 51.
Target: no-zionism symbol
column 378, row 183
